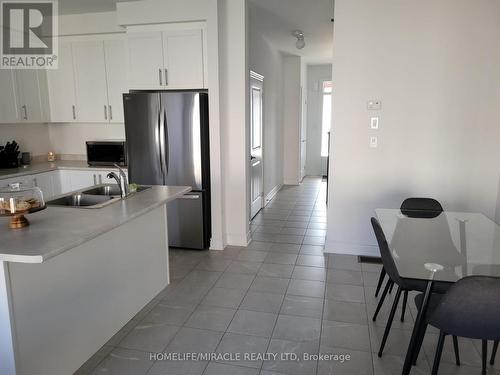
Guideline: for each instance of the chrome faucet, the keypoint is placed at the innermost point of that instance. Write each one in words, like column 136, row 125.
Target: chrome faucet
column 121, row 180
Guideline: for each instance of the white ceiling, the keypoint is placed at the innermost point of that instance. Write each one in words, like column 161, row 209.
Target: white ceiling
column 87, row 6
column 276, row 19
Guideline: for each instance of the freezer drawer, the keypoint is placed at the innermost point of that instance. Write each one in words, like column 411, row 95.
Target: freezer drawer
column 185, row 221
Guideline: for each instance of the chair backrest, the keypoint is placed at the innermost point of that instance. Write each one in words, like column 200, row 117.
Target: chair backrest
column 421, row 207
column 385, row 252
column 470, row 308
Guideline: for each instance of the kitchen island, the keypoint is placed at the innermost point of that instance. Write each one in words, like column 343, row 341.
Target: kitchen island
column 75, row 276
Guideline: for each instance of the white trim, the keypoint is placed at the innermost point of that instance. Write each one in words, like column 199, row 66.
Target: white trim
column 272, row 194
column 7, row 331
column 290, row 182
column 216, row 244
column 337, row 247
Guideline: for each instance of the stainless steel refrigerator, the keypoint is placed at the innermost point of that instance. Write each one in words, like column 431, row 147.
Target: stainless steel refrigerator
column 167, row 144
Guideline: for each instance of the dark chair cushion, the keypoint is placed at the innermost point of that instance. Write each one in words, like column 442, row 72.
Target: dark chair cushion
column 471, row 308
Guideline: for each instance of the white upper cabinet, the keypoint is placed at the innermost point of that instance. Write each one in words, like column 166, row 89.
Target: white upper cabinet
column 183, row 58
column 167, row 57
column 31, row 86
column 90, row 79
column 9, row 112
column 61, row 83
column 145, row 53
column 115, row 53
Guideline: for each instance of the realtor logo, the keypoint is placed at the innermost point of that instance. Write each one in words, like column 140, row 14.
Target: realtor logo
column 28, row 29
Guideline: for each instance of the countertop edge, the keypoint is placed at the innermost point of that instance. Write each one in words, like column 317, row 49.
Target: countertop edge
column 35, row 259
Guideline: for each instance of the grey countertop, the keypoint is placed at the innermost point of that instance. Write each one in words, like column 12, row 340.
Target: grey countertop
column 58, row 229
column 47, row 167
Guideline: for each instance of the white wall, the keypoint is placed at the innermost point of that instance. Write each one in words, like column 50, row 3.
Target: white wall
column 268, row 61
column 316, row 74
column 435, row 67
column 291, row 119
column 32, row 138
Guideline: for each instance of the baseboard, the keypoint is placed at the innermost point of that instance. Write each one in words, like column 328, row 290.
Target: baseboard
column 217, row 244
column 337, row 247
column 272, row 194
column 291, row 182
column 238, row 240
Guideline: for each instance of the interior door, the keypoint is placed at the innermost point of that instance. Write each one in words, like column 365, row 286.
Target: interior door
column 90, row 71
column 116, row 76
column 256, row 162
column 145, row 60
column 183, row 58
column 61, row 82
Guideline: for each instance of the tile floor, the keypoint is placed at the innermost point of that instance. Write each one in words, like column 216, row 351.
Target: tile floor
column 278, row 295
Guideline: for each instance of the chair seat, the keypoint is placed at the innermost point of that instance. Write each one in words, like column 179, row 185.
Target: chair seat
column 471, row 308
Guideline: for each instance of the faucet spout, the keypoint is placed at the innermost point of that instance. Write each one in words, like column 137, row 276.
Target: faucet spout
column 121, row 180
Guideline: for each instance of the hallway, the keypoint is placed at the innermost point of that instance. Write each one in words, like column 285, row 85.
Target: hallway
column 280, row 294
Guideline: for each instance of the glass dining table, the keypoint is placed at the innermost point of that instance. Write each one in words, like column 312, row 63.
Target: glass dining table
column 439, row 247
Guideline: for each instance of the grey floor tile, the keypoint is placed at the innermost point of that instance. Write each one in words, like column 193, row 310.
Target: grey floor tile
column 269, row 229
column 469, row 355
column 302, row 306
column 311, row 260
column 313, row 240
column 265, row 302
column 370, row 278
column 289, row 238
column 392, row 365
column 345, row 292
column 316, row 232
column 289, row 248
column 276, row 270
column 253, row 323
column 296, row 224
column 337, row 276
column 210, row 317
column 243, row 346
column 223, row 369
column 223, row 297
column 345, row 362
column 297, row 328
column 281, row 258
column 124, row 362
column 313, row 225
column 294, row 231
column 259, row 246
column 397, row 341
column 309, row 273
column 344, row 262
column 214, row 264
column 270, row 285
column 190, row 340
column 252, row 255
column 234, row 281
column 290, row 365
column 306, row 288
column 150, row 337
column 348, row 312
column 345, row 335
column 248, row 268
column 312, row 250
column 178, row 368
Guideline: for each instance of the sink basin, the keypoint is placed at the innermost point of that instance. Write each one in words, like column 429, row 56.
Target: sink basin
column 110, row 190
column 83, row 200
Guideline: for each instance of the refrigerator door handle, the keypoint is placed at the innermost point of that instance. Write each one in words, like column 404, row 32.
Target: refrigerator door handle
column 160, row 145
column 163, row 147
column 167, row 149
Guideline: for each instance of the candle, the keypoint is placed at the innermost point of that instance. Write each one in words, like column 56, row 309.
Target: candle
column 51, row 156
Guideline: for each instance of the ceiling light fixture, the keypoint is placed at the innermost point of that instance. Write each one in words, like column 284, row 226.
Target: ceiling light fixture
column 300, row 43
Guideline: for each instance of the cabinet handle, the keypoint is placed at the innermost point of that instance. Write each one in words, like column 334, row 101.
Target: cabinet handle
column 159, row 75
column 74, row 111
column 105, row 112
column 166, row 77
column 35, row 182
column 110, row 112
column 25, row 117
column 100, row 179
column 95, row 180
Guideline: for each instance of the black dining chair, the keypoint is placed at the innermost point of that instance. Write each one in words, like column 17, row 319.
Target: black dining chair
column 469, row 309
column 411, row 207
column 404, row 285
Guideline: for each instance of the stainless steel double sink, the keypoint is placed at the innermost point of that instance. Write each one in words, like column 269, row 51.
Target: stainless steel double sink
column 95, row 197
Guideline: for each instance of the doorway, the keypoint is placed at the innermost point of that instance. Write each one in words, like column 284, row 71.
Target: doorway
column 256, row 144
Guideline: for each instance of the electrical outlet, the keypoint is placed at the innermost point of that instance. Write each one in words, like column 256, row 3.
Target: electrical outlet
column 374, row 105
column 374, row 123
column 373, row 142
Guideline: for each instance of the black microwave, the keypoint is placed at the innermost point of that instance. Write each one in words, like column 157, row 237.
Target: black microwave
column 107, row 153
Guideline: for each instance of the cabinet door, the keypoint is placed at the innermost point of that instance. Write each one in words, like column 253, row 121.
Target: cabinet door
column 61, row 84
column 115, row 52
column 82, row 179
column 28, row 84
column 8, row 101
column 90, row 79
column 45, row 181
column 183, row 58
column 145, row 56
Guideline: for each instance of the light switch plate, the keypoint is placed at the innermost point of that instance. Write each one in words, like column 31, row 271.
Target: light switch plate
column 374, row 105
column 374, row 122
column 373, row 142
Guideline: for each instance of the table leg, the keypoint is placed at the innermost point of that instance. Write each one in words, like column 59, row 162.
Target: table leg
column 419, row 323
